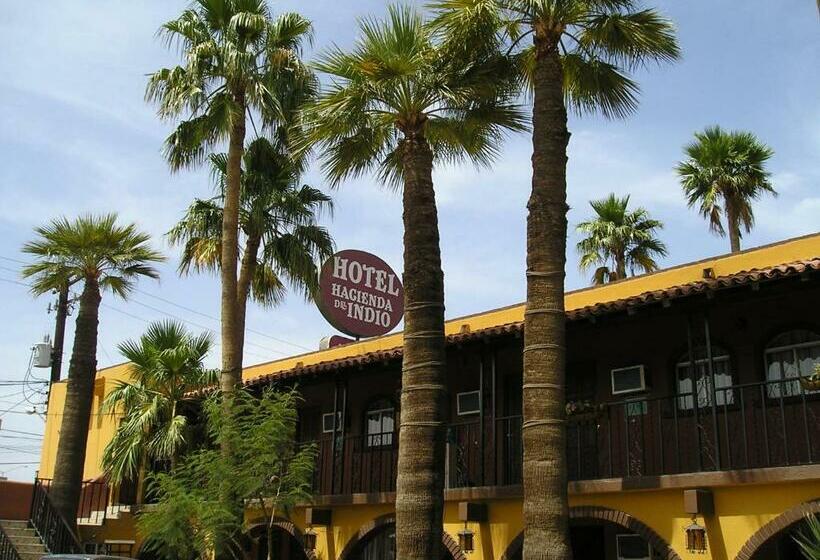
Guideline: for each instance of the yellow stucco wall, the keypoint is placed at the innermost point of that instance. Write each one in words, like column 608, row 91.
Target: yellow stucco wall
column 740, row 511
column 100, row 429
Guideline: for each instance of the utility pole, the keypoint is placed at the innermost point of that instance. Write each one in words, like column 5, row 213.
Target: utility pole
column 59, row 335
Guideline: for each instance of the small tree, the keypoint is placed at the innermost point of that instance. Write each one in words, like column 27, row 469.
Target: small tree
column 267, row 470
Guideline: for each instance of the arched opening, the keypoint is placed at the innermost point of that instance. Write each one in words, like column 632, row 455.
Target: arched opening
column 776, row 539
column 286, row 544
column 606, row 534
column 377, row 541
column 782, row 546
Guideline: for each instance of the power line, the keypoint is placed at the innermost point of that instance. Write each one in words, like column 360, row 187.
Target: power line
column 207, row 316
column 2, row 435
column 103, row 304
column 186, row 308
column 19, row 432
column 22, row 463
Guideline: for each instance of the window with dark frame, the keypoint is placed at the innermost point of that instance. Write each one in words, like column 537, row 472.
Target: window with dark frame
column 632, row 547
column 791, row 355
column 380, row 423
column 722, row 367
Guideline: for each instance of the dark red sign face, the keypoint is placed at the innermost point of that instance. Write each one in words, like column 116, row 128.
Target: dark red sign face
column 359, row 294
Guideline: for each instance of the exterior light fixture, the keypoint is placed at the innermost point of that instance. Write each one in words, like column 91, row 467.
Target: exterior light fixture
column 696, row 537
column 466, row 540
column 310, row 539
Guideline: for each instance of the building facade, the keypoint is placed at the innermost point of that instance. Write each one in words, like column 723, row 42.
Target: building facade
column 689, row 432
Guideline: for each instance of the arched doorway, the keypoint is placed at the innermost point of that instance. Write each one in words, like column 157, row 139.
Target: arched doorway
column 606, row 534
column 775, row 540
column 287, row 543
column 377, row 541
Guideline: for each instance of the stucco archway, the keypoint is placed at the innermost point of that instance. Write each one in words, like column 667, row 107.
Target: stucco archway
column 776, row 526
column 389, row 519
column 612, row 516
column 288, row 527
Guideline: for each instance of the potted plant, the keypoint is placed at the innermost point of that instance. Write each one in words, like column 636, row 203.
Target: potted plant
column 812, row 382
column 584, row 410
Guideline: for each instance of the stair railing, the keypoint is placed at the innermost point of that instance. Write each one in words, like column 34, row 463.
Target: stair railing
column 7, row 550
column 54, row 530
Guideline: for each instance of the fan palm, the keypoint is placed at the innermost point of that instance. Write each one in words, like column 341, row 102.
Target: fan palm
column 808, row 538
column 581, row 54
column 399, row 104
column 239, row 62
column 619, row 240
column 165, row 364
column 102, row 255
column 723, row 174
column 281, row 239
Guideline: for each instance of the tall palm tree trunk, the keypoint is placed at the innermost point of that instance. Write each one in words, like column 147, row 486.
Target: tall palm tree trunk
column 420, row 485
column 544, row 468
column 231, row 353
column 68, row 466
column 246, row 272
column 620, row 266
column 733, row 225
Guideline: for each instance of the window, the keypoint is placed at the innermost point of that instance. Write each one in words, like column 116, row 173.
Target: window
column 118, row 548
column 380, row 422
column 723, row 379
column 632, row 547
column 468, row 403
column 327, row 422
column 628, row 380
column 791, row 355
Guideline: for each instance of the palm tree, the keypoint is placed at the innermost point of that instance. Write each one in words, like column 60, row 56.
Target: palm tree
column 724, row 172
column 399, row 104
column 166, row 363
column 619, row 240
column 277, row 226
column 102, row 255
column 581, row 54
column 239, row 61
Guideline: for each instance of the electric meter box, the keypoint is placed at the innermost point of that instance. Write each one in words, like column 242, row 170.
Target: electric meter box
column 42, row 355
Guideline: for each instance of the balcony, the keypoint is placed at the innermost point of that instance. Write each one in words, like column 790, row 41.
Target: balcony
column 771, row 424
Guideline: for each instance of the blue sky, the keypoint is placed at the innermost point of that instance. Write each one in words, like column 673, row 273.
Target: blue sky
column 76, row 136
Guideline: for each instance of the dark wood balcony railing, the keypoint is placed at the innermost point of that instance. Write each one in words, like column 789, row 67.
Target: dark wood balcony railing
column 770, row 424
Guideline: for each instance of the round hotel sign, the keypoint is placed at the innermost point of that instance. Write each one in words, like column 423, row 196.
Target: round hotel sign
column 359, row 294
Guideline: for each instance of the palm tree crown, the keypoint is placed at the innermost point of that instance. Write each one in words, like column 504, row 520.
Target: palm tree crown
column 398, row 84
column 619, row 240
column 238, row 59
column 165, row 364
column 277, row 218
column 599, row 42
column 90, row 248
column 723, row 174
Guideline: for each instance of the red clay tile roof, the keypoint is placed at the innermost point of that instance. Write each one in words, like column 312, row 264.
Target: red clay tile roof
column 702, row 286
